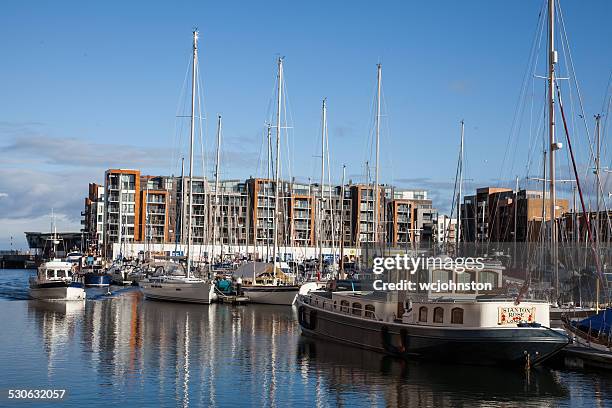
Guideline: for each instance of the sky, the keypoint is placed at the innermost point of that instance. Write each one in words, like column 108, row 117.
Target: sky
column 88, row 86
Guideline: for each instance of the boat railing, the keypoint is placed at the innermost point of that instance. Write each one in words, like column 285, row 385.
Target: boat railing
column 328, row 304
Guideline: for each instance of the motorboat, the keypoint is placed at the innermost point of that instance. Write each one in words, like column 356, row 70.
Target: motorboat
column 54, row 281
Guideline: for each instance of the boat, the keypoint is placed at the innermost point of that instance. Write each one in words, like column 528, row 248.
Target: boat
column 264, row 282
column 172, row 282
column 54, row 281
column 98, row 278
column 482, row 331
column 121, row 274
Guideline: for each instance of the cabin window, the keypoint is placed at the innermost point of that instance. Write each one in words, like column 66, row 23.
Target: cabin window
column 488, row 277
column 369, row 311
column 423, row 314
column 457, row 315
column 335, row 304
column 438, row 315
column 466, row 278
column 344, row 306
column 50, row 273
column 441, row 275
column 357, row 309
column 61, row 273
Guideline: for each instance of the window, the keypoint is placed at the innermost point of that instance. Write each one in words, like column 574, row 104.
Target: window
column 457, row 315
column 344, row 306
column 423, row 314
column 488, row 277
column 370, row 311
column 61, row 273
column 50, row 273
column 438, row 315
column 357, row 309
column 335, row 304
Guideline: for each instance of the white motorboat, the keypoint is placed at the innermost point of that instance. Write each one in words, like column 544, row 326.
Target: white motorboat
column 54, row 281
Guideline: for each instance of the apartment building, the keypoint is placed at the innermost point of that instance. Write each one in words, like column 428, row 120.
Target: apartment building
column 134, row 208
column 497, row 214
column 93, row 217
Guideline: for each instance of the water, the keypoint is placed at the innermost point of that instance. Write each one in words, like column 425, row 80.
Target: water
column 127, row 351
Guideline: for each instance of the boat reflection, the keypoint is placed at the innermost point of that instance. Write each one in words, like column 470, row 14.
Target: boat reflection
column 396, row 383
column 58, row 323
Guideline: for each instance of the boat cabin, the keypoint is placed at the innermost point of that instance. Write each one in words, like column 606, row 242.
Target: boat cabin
column 55, row 271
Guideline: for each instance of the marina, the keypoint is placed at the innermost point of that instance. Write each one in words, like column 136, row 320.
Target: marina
column 446, row 264
column 126, row 350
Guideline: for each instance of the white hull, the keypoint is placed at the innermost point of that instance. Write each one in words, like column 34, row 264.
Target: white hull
column 196, row 292
column 271, row 295
column 60, row 293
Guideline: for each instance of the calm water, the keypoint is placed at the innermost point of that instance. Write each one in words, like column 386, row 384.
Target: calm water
column 124, row 350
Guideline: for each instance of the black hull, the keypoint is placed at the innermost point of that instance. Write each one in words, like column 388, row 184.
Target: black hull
column 497, row 346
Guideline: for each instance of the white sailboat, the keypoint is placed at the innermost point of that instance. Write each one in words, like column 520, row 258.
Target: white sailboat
column 179, row 285
column 270, row 285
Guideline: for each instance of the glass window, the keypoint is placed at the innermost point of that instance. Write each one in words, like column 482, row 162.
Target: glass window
column 344, row 306
column 357, row 309
column 457, row 315
column 423, row 314
column 61, row 273
column 438, row 315
column 370, row 311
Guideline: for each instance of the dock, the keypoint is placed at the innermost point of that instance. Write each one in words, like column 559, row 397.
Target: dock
column 232, row 299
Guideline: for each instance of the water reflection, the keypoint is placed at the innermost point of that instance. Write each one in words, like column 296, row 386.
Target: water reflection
column 57, row 323
column 394, row 383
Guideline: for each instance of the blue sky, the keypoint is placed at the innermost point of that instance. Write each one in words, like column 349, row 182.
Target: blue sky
column 89, row 86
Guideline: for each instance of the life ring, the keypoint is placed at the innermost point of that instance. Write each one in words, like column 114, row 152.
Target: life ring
column 387, row 344
column 311, row 324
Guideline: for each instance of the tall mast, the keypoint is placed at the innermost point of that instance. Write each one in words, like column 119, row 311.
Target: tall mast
column 597, row 175
column 376, row 198
column 277, row 167
column 323, row 125
column 552, row 60
column 267, row 198
column 191, row 139
column 216, row 213
column 179, row 233
column 458, row 234
column 341, row 261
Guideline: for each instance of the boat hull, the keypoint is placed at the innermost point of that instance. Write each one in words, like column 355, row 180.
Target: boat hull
column 97, row 279
column 271, row 295
column 179, row 292
column 481, row 346
column 57, row 291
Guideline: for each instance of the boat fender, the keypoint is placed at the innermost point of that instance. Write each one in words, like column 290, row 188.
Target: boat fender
column 387, row 344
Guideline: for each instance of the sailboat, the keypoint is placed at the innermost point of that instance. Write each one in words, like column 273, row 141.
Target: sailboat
column 178, row 285
column 265, row 282
column 54, row 278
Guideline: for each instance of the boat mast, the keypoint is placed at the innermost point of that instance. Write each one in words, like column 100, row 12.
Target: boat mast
column 323, row 125
column 376, row 197
column 266, row 193
column 552, row 60
column 458, row 235
column 341, row 260
column 216, row 213
column 191, row 139
column 277, row 167
column 180, row 233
